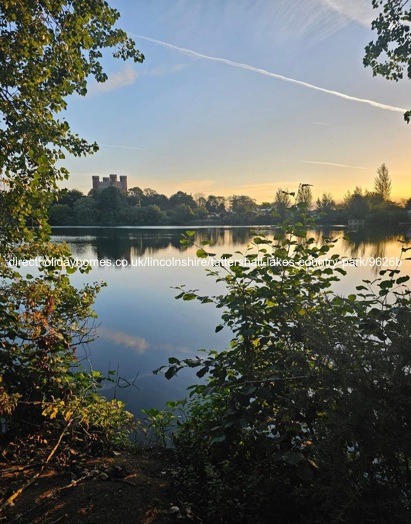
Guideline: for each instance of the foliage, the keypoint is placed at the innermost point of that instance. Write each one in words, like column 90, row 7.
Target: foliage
column 305, row 195
column 356, row 204
column 307, row 415
column 282, row 203
column 215, row 204
column 326, row 208
column 49, row 50
column 390, row 54
column 160, row 423
column 45, row 320
column 111, row 206
column 242, row 204
column 382, row 183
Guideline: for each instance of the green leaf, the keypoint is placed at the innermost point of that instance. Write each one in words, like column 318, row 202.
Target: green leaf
column 200, row 253
column 189, row 296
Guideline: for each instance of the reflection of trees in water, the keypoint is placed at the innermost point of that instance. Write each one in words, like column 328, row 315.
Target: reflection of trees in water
column 364, row 242
column 125, row 243
column 370, row 242
column 227, row 237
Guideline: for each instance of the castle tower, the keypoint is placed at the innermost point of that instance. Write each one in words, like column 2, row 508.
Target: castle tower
column 123, row 182
column 96, row 182
column 110, row 180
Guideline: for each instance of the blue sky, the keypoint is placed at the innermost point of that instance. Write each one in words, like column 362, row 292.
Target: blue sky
column 197, row 116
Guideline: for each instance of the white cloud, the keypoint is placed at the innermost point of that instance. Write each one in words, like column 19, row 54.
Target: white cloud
column 359, row 11
column 120, row 338
column 123, row 78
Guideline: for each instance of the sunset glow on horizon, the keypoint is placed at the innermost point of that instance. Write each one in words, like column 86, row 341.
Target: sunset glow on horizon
column 245, row 98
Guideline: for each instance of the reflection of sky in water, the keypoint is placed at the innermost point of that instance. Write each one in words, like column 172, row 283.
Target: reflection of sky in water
column 140, row 323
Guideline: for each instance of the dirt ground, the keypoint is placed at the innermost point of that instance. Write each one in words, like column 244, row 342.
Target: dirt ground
column 122, row 489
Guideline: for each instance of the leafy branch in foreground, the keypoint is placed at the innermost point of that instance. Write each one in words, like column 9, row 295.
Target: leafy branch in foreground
column 307, row 415
column 390, row 54
column 49, row 51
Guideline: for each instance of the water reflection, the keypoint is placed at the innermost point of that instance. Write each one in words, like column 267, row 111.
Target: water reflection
column 125, row 243
column 373, row 242
column 141, row 324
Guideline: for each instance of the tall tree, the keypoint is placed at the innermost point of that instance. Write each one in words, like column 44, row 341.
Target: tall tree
column 326, row 203
column 390, row 54
column 282, row 202
column 305, row 196
column 48, row 51
column 382, row 182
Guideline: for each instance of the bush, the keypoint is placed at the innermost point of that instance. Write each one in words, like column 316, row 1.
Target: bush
column 45, row 387
column 307, row 416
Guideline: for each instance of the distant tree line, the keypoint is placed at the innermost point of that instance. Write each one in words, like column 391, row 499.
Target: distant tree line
column 112, row 206
column 374, row 207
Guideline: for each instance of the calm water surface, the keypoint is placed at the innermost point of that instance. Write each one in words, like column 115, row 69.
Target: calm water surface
column 140, row 324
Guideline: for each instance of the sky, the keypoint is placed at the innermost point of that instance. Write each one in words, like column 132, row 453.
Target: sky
column 245, row 97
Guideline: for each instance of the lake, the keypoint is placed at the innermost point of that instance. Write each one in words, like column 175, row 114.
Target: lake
column 140, row 324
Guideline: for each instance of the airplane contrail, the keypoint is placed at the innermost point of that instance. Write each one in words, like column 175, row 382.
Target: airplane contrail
column 190, row 52
column 332, row 164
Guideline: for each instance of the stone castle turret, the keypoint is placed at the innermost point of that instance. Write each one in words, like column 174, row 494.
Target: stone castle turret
column 110, row 181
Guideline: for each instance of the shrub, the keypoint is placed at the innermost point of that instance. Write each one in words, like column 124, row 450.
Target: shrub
column 307, row 416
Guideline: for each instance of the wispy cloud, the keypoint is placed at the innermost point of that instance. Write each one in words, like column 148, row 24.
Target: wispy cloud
column 359, row 11
column 239, row 65
column 332, row 164
column 120, row 338
column 321, row 123
column 163, row 70
column 125, row 77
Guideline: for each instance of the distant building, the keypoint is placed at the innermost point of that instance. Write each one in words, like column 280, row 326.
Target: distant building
column 110, row 181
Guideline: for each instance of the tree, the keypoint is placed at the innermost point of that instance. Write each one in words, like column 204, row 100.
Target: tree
column 356, row 204
column 69, row 196
column 49, row 50
column 136, row 196
column 326, row 204
column 85, row 211
column 152, row 198
column 282, row 203
column 181, row 214
column 61, row 215
column 305, row 196
column 390, row 54
column 382, row 183
column 200, row 199
column 242, row 204
column 310, row 401
column 215, row 204
column 180, row 198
